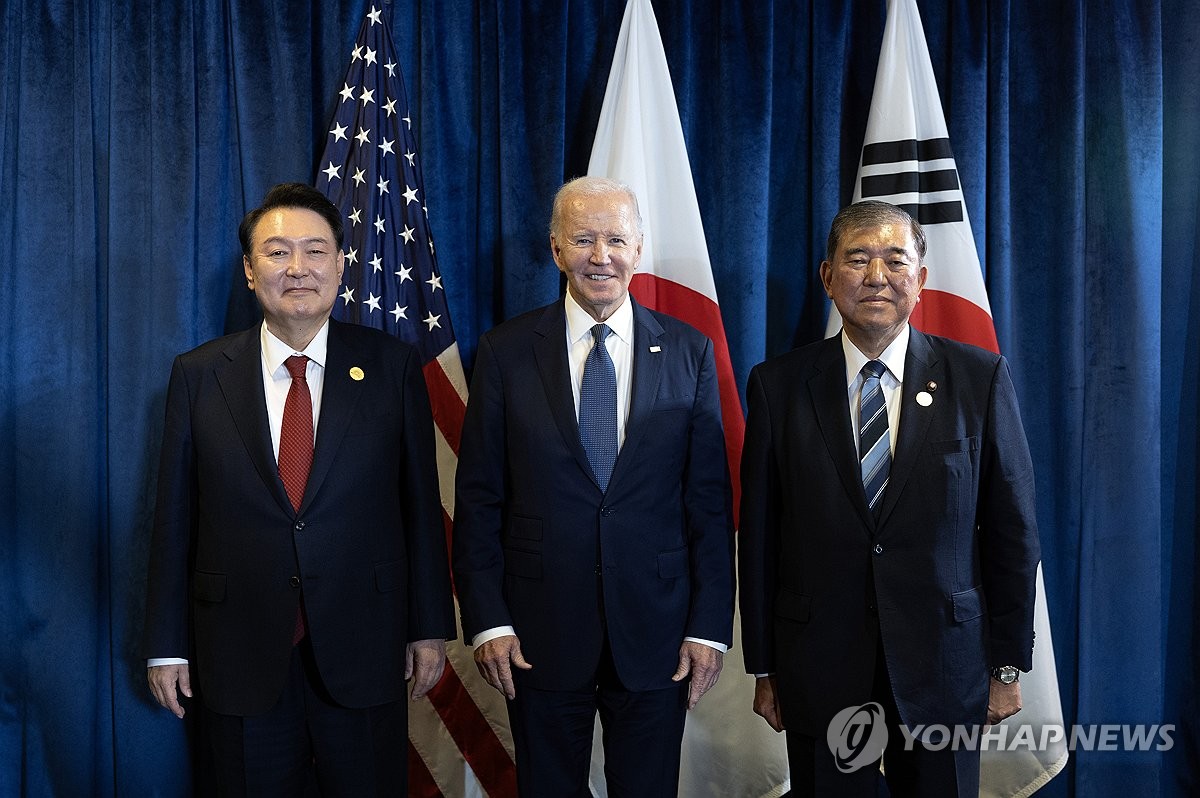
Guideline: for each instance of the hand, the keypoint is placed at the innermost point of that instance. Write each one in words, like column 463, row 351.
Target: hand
column 703, row 663
column 766, row 702
column 424, row 662
column 1004, row 700
column 164, row 680
column 495, row 659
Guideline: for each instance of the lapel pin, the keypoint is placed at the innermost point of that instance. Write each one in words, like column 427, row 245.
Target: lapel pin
column 656, row 349
column 924, row 399
column 931, row 386
column 356, row 373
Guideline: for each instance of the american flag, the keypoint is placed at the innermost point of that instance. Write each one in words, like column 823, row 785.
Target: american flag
column 459, row 742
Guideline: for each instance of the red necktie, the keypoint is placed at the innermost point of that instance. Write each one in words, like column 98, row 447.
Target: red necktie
column 296, row 446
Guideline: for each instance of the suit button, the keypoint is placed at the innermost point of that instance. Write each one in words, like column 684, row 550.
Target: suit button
column 878, row 549
column 599, row 570
column 299, row 526
column 606, row 511
column 294, row 581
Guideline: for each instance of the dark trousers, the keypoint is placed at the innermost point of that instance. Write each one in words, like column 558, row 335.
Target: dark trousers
column 552, row 733
column 309, row 745
column 917, row 773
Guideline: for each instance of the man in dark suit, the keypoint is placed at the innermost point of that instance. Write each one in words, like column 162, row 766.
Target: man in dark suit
column 888, row 545
column 593, row 532
column 300, row 584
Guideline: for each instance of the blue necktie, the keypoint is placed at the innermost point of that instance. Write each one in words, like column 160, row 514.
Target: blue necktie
column 598, row 408
column 874, row 443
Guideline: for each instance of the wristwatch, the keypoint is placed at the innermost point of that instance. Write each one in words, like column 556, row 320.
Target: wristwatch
column 1006, row 674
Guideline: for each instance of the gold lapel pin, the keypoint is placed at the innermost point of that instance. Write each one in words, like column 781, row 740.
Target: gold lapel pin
column 356, row 373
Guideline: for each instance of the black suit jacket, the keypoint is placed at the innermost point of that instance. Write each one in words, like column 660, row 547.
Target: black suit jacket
column 948, row 570
column 538, row 546
column 229, row 555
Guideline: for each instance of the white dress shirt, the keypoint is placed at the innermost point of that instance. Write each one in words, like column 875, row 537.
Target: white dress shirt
column 276, row 383
column 619, row 344
column 890, row 382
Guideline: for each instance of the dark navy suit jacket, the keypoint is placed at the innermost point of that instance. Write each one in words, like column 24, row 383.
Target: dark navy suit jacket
column 945, row 576
column 229, row 555
column 538, row 546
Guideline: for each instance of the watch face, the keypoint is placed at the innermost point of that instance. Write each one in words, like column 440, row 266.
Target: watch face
column 1005, row 675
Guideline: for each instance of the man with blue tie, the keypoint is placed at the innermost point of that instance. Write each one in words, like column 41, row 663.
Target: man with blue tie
column 888, row 546
column 593, row 527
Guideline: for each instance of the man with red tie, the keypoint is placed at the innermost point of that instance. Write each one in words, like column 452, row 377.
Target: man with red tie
column 298, row 564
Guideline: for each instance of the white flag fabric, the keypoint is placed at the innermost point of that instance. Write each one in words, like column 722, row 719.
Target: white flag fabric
column 639, row 141
column 907, row 161
column 728, row 751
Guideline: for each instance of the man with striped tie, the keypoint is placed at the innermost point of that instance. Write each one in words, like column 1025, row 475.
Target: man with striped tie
column 888, row 546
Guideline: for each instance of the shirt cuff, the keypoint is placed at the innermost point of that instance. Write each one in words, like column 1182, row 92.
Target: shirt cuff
column 154, row 662
column 491, row 634
column 724, row 649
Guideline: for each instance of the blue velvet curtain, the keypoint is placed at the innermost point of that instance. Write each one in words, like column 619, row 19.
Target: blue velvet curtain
column 133, row 136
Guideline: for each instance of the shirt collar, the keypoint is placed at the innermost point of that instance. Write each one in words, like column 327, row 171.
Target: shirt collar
column 276, row 351
column 892, row 357
column 580, row 322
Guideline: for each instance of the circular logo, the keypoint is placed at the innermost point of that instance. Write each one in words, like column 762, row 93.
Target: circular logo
column 857, row 736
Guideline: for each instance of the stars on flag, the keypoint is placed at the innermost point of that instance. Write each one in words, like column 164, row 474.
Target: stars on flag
column 372, row 174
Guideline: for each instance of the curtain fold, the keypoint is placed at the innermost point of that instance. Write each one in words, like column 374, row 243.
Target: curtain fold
column 134, row 136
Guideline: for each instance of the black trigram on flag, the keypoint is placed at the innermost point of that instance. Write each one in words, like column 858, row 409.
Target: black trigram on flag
column 909, row 180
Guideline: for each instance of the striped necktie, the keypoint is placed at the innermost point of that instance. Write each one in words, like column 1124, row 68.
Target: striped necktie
column 874, row 443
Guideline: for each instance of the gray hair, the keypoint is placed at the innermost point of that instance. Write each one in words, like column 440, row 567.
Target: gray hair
column 871, row 213
column 588, row 186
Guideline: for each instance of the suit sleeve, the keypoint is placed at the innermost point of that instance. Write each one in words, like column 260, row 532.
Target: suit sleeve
column 167, row 632
column 708, row 505
column 430, row 608
column 758, row 538
column 1008, row 527
column 480, row 487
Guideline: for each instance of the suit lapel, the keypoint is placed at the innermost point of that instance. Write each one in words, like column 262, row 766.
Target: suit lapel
column 339, row 398
column 241, row 381
column 550, row 352
column 921, row 366
column 647, row 369
column 831, row 405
